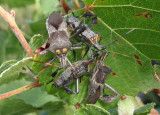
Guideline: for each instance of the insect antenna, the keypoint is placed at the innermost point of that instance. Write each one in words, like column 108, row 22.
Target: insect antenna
column 118, row 38
column 137, row 59
column 45, row 63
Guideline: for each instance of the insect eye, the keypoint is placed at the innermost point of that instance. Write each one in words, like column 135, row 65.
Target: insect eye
column 58, row 52
column 64, row 50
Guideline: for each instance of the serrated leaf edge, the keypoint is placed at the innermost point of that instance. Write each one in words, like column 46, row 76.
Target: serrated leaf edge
column 88, row 105
column 24, row 59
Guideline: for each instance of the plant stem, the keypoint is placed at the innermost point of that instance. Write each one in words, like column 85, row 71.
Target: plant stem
column 65, row 6
column 19, row 90
column 11, row 22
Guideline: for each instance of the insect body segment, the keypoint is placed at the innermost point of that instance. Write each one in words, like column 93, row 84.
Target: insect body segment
column 97, row 83
column 83, row 31
column 72, row 74
column 58, row 41
column 58, row 36
column 94, row 39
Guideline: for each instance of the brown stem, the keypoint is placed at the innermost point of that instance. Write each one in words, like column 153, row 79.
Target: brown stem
column 65, row 6
column 17, row 91
column 11, row 22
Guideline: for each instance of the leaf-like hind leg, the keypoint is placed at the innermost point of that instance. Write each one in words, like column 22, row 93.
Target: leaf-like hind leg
column 94, row 19
column 69, row 91
column 108, row 98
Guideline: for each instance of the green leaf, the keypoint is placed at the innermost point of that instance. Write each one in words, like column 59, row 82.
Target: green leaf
column 129, row 75
column 37, row 66
column 14, row 107
column 145, row 109
column 12, row 72
column 126, row 107
column 45, row 75
column 13, row 85
column 91, row 110
column 115, row 19
column 72, row 99
column 157, row 72
column 36, row 41
column 134, row 105
column 6, row 65
column 36, row 97
column 113, row 111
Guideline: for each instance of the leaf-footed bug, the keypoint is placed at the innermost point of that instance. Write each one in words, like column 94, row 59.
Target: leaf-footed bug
column 85, row 33
column 58, row 41
column 72, row 73
column 97, row 83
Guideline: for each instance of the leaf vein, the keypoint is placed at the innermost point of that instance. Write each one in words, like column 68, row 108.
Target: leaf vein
column 112, row 30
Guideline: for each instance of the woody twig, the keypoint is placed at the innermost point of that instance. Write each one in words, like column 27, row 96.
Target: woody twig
column 19, row 90
column 9, row 18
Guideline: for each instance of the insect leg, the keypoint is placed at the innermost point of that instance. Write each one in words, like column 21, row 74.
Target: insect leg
column 81, row 28
column 69, row 91
column 43, row 52
column 77, row 44
column 55, row 73
column 74, row 15
column 74, row 48
column 94, row 19
column 87, row 49
column 107, row 98
column 104, row 47
column 112, row 89
column 77, row 86
column 77, row 82
column 93, row 22
column 92, row 54
column 74, row 54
